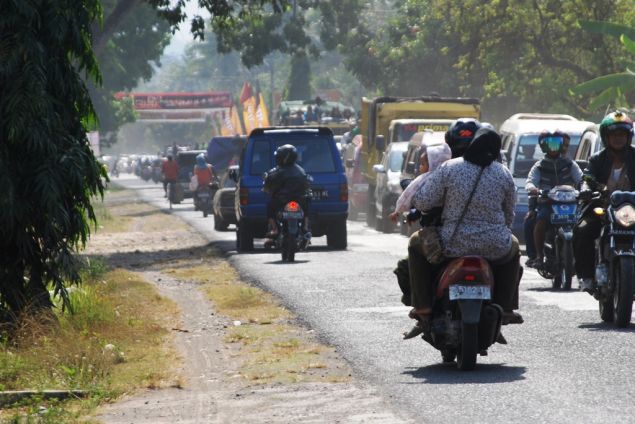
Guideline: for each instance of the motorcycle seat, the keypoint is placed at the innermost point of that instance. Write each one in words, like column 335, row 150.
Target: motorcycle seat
column 618, row 197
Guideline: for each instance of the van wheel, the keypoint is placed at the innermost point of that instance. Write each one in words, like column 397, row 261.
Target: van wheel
column 336, row 238
column 219, row 223
column 244, row 239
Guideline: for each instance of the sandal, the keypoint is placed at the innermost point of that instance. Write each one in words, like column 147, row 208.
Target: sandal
column 511, row 317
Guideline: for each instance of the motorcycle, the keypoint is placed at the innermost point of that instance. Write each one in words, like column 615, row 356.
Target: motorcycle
column 146, row 173
column 203, row 198
column 615, row 258
column 292, row 236
column 559, row 266
column 465, row 322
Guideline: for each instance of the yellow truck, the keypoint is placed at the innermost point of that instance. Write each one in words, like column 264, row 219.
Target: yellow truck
column 378, row 114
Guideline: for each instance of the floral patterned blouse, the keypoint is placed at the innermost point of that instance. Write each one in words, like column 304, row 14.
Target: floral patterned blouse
column 486, row 227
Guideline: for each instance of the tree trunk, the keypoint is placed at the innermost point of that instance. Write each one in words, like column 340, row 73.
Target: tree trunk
column 103, row 34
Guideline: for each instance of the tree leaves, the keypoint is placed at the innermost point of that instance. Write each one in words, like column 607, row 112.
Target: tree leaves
column 48, row 173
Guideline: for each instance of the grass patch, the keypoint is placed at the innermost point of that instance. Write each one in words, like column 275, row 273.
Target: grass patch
column 272, row 348
column 113, row 342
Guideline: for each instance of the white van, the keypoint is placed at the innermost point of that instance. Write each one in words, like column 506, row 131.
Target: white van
column 520, row 145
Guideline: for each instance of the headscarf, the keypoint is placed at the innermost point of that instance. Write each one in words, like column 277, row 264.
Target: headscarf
column 437, row 155
column 484, row 149
column 200, row 161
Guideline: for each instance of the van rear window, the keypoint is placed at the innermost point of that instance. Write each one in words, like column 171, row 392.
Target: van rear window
column 314, row 154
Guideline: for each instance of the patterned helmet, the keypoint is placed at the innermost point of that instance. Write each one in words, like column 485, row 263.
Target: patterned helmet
column 616, row 121
column 460, row 134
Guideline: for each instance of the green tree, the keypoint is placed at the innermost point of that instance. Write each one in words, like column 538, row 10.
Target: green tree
column 515, row 55
column 611, row 89
column 47, row 170
column 299, row 85
column 131, row 54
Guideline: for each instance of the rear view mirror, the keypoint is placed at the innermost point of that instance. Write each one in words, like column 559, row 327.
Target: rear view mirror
column 350, row 163
column 410, row 168
column 380, row 143
column 405, row 183
column 379, row 168
column 582, row 163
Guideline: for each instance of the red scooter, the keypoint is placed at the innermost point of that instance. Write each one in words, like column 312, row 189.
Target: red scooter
column 465, row 322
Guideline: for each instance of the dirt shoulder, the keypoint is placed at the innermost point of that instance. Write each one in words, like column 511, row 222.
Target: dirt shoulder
column 253, row 364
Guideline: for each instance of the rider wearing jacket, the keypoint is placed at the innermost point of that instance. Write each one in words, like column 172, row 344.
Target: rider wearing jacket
column 553, row 170
column 611, row 169
column 286, row 182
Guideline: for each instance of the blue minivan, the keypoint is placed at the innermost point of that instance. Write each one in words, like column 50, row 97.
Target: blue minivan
column 318, row 155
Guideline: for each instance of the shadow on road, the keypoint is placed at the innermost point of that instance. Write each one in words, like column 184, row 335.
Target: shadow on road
column 483, row 374
column 287, row 263
column 606, row 326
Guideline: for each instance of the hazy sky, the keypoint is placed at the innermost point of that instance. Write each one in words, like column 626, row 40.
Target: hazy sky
column 182, row 37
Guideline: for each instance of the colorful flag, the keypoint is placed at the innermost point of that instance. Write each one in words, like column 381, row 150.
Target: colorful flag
column 262, row 114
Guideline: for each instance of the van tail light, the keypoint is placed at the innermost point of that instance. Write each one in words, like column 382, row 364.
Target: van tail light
column 244, row 196
column 344, row 192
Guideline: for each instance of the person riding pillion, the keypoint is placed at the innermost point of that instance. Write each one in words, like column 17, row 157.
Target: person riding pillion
column 611, row 169
column 483, row 230
column 553, row 170
column 287, row 181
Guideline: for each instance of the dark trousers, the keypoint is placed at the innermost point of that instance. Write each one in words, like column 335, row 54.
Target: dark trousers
column 507, row 272
column 584, row 234
column 528, row 227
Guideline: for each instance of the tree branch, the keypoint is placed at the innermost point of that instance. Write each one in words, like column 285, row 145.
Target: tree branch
column 103, row 34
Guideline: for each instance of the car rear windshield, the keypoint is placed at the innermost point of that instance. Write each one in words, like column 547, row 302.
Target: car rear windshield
column 529, row 153
column 314, row 154
column 396, row 160
column 186, row 161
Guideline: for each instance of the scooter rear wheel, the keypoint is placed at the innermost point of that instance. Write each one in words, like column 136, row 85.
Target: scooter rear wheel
column 468, row 350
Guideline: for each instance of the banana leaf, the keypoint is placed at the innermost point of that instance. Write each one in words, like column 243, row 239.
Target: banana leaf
column 628, row 43
column 622, row 80
column 608, row 28
column 606, row 97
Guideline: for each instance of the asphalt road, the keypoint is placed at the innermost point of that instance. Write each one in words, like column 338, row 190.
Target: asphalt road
column 561, row 366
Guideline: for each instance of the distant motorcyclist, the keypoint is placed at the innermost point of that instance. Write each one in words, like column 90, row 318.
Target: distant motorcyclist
column 286, row 182
column 170, row 171
column 611, row 169
column 552, row 170
column 204, row 174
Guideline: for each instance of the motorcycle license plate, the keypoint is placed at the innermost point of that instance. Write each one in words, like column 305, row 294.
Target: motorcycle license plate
column 292, row 215
column 458, row 291
column 319, row 194
column 563, row 218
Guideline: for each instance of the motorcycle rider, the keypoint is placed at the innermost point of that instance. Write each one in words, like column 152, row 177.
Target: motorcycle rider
column 554, row 169
column 485, row 229
column 611, row 169
column 286, row 182
column 204, row 174
column 170, row 171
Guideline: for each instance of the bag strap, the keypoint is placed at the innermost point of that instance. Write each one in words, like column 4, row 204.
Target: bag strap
column 469, row 200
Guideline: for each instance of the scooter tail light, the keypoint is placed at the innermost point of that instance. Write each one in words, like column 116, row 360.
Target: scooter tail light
column 292, row 206
column 466, row 270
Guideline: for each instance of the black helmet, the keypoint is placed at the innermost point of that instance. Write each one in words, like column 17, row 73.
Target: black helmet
column 556, row 141
column 460, row 134
column 286, row 155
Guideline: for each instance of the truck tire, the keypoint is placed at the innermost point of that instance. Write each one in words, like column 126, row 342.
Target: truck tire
column 370, row 209
column 336, row 238
column 244, row 239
